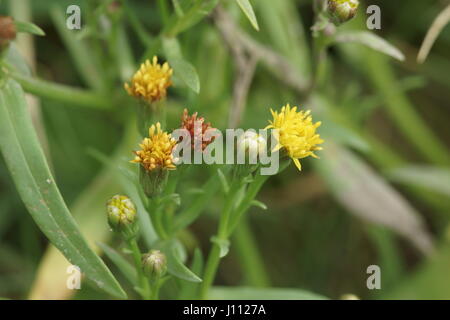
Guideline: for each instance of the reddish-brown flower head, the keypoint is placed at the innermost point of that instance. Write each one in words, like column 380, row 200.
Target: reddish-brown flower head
column 197, row 129
column 7, row 30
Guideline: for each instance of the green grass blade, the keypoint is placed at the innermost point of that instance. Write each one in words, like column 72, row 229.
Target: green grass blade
column 36, row 186
column 248, row 293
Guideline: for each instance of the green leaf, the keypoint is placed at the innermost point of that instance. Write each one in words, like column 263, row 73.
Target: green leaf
column 174, row 264
column 223, row 181
column 223, row 244
column 248, row 293
column 182, row 69
column 29, row 27
column 189, row 290
column 37, row 188
column 372, row 41
column 259, row 204
column 187, row 73
column 432, row 178
column 120, row 262
column 248, row 10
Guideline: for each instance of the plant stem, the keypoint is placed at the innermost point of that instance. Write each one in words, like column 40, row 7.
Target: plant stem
column 214, row 255
column 63, row 93
column 143, row 283
column 155, row 214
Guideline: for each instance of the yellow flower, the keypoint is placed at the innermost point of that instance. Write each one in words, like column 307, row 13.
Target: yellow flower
column 297, row 133
column 151, row 81
column 156, row 150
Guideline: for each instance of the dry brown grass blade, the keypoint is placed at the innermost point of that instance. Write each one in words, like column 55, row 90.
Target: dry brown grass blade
column 436, row 28
column 368, row 196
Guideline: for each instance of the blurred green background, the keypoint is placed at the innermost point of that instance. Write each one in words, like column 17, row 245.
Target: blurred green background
column 380, row 194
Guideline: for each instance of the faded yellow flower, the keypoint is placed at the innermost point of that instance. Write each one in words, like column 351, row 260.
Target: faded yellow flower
column 151, row 81
column 297, row 133
column 156, row 150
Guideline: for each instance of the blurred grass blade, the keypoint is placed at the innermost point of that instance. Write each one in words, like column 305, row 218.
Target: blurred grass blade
column 430, row 281
column 37, row 188
column 436, row 28
column 248, row 293
column 120, row 262
column 432, row 178
column 367, row 195
column 29, row 27
column 80, row 53
column 372, row 41
column 248, row 10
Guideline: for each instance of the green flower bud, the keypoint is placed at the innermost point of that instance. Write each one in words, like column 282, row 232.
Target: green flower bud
column 122, row 215
column 7, row 31
column 154, row 181
column 154, row 264
column 342, row 10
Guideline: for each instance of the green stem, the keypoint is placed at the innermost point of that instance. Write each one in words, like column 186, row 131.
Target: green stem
column 164, row 11
column 226, row 226
column 155, row 214
column 143, row 283
column 214, row 256
column 62, row 93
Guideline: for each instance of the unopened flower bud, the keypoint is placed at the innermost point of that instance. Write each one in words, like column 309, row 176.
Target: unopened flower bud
column 251, row 143
column 154, row 264
column 342, row 10
column 7, row 31
column 122, row 215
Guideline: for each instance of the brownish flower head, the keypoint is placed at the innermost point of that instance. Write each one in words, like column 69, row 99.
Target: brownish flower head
column 197, row 129
column 7, row 30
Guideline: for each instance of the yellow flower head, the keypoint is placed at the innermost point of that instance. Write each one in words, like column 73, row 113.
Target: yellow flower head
column 151, row 81
column 297, row 133
column 156, row 150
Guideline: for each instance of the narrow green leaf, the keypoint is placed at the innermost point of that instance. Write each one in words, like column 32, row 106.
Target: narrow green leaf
column 259, row 204
column 29, row 27
column 372, row 41
column 189, row 290
column 37, row 188
column 174, row 264
column 223, row 244
column 120, row 262
column 248, row 10
column 223, row 181
column 248, row 293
